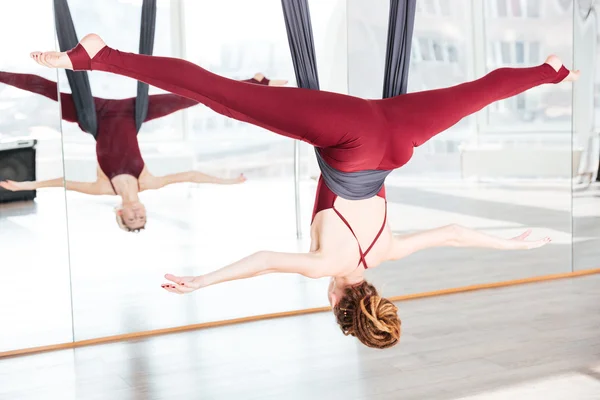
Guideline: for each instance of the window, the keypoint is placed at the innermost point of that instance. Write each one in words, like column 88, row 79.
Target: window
column 505, row 53
column 514, row 8
column 518, row 41
column 415, row 54
column 425, row 50
column 437, row 51
column 445, row 7
column 534, row 53
column 520, row 53
column 597, row 74
column 430, row 7
column 452, row 54
column 502, row 53
column 434, row 7
column 119, row 23
column 502, row 10
column 533, row 8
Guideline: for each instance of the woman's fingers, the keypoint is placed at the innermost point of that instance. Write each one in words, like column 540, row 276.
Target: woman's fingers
column 170, row 288
column 523, row 235
column 539, row 243
column 526, row 234
column 175, row 288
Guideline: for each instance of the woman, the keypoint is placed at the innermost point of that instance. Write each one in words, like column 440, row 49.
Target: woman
column 358, row 142
column 121, row 169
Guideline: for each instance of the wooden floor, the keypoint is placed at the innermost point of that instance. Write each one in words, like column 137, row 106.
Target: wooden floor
column 115, row 276
column 526, row 342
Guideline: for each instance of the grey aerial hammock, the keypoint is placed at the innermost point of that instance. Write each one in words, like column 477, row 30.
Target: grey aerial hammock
column 361, row 184
column 79, row 81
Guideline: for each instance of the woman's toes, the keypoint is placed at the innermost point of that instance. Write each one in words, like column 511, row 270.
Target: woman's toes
column 573, row 76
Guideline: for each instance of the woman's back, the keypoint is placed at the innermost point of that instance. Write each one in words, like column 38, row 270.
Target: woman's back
column 366, row 226
column 117, row 146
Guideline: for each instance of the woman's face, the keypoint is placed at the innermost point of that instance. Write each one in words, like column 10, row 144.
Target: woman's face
column 334, row 292
column 134, row 215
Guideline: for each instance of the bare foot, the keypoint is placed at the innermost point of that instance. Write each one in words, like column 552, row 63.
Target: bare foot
column 556, row 63
column 278, row 82
column 92, row 44
column 52, row 59
column 273, row 82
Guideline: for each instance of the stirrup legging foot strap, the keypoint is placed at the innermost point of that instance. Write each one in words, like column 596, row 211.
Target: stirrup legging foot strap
column 562, row 73
column 80, row 59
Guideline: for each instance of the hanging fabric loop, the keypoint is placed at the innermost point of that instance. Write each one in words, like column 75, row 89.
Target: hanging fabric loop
column 78, row 80
column 147, row 31
column 397, row 59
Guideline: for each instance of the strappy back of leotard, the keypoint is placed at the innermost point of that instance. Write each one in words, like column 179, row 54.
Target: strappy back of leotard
column 362, row 253
column 358, row 185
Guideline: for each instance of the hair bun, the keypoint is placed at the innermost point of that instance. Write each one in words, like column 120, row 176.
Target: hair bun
column 369, row 317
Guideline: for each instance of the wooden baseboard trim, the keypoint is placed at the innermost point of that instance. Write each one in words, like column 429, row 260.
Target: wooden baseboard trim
column 204, row 325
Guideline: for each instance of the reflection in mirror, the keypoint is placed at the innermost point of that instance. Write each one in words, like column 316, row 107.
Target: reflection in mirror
column 33, row 226
column 503, row 170
column 189, row 227
column 586, row 143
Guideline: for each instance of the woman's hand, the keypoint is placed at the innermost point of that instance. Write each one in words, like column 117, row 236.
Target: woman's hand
column 181, row 284
column 519, row 242
column 17, row 186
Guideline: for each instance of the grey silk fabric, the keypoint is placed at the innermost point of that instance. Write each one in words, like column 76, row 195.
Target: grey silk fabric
column 147, row 28
column 300, row 37
column 79, row 81
column 361, row 184
column 358, row 185
column 81, row 91
column 397, row 58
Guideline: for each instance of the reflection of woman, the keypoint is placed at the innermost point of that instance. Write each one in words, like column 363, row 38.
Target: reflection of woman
column 121, row 169
column 358, row 143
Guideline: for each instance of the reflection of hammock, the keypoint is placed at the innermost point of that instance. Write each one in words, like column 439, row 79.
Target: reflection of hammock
column 586, row 34
column 79, row 82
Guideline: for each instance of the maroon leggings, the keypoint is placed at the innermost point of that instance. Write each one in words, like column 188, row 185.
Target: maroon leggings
column 109, row 112
column 353, row 134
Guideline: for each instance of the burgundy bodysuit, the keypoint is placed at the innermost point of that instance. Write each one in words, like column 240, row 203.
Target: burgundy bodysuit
column 351, row 134
column 117, row 147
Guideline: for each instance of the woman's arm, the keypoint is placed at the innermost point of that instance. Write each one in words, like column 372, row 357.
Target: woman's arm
column 459, row 236
column 157, row 182
column 310, row 265
column 96, row 188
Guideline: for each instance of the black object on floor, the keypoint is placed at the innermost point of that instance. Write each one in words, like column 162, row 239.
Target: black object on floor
column 17, row 163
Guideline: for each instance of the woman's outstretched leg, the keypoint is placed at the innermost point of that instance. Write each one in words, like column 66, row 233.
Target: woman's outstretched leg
column 42, row 86
column 422, row 115
column 322, row 119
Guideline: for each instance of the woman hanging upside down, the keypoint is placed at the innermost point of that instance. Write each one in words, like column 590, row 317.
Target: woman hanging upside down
column 358, row 143
column 121, row 169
